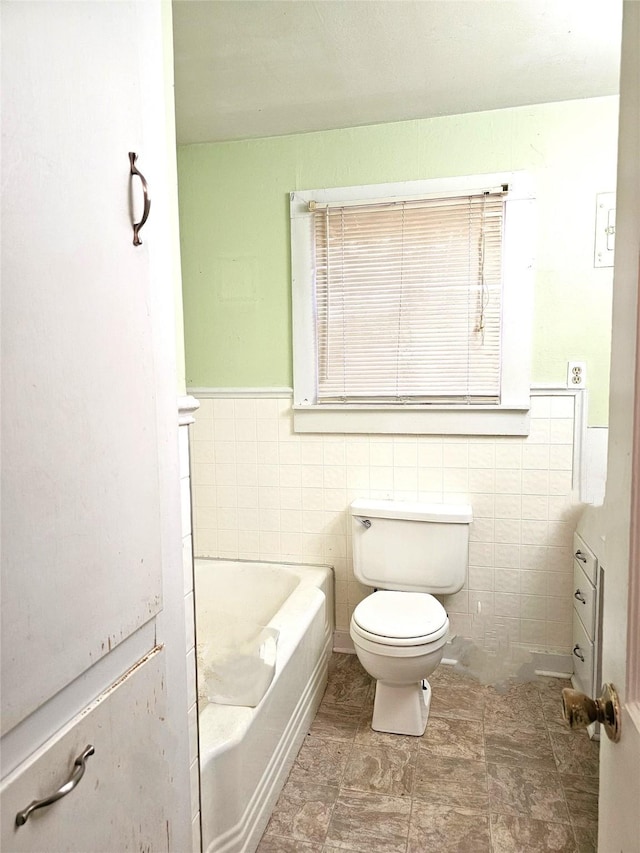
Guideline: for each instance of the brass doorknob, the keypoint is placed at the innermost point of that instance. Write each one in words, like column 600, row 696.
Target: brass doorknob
column 580, row 710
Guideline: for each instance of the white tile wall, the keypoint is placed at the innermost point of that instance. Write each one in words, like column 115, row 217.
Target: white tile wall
column 264, row 492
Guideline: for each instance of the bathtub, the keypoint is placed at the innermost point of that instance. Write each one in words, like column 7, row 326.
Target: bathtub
column 247, row 752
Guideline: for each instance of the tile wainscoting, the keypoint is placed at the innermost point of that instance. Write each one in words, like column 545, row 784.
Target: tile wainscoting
column 263, row 492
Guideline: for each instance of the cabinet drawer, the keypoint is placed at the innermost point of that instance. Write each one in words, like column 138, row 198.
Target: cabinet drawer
column 584, row 599
column 582, row 656
column 114, row 806
column 583, row 555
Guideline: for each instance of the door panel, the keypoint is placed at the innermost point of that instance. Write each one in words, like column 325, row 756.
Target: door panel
column 118, row 805
column 619, row 808
column 81, row 566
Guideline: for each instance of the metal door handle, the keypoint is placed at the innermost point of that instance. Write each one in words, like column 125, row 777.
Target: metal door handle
column 147, row 201
column 579, row 710
column 577, row 594
column 76, row 775
column 578, row 653
column 580, row 556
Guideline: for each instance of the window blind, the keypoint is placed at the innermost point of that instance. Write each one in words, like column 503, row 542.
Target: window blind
column 408, row 300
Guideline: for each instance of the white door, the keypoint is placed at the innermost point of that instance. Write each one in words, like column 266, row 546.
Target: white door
column 90, row 481
column 619, row 820
column 80, row 522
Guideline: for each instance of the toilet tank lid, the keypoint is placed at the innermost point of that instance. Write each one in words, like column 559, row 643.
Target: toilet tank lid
column 413, row 511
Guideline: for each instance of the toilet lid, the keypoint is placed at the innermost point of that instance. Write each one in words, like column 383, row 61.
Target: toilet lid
column 405, row 617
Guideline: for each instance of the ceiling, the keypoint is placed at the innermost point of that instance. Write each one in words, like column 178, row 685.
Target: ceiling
column 249, row 68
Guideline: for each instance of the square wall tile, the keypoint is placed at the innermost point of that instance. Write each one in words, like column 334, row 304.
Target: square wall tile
column 538, row 432
column 540, row 407
column 535, row 507
column 533, row 607
column 482, row 480
column 562, row 406
column 533, row 583
column 509, row 454
column 508, row 481
column 506, row 604
column 507, row 531
column 483, row 506
column 508, row 506
column 456, row 455
column 430, row 455
column 481, row 578
column 482, row 455
column 507, row 580
column 507, row 556
column 482, row 530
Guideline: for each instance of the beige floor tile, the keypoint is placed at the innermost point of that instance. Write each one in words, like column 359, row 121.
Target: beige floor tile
column 451, row 781
column 372, row 822
column 456, row 702
column 448, row 830
column 519, row 834
column 303, row 811
column 348, row 683
column 526, row 792
column 520, row 707
column 320, row 761
column 381, row 770
column 520, row 748
column 581, row 793
column 575, row 753
column 454, row 738
column 586, row 838
column 335, row 722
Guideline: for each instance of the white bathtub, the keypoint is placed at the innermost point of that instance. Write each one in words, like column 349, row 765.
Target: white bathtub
column 247, row 752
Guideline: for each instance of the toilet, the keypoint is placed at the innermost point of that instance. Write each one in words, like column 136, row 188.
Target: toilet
column 408, row 552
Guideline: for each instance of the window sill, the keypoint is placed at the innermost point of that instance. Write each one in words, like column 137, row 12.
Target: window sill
column 413, row 420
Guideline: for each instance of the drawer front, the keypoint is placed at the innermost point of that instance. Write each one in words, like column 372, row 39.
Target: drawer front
column 115, row 806
column 584, row 599
column 585, row 557
column 582, row 656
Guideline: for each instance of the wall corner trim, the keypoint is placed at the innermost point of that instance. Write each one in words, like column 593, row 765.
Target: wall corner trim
column 187, row 406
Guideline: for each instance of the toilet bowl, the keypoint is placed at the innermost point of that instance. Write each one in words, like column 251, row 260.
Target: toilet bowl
column 399, row 638
column 407, row 552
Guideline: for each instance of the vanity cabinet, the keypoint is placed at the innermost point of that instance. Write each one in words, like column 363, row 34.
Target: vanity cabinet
column 587, row 641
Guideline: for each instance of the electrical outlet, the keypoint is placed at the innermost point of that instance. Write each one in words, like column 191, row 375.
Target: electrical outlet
column 576, row 374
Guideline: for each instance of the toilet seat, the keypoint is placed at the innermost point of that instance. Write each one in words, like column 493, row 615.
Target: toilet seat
column 393, row 618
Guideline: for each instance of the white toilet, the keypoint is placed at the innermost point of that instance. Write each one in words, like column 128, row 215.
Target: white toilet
column 408, row 552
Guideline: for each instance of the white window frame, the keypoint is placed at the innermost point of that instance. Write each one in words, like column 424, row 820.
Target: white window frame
column 510, row 415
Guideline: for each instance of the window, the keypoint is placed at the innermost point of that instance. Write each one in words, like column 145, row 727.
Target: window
column 412, row 306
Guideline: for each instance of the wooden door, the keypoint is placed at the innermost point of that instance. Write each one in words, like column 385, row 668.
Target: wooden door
column 619, row 810
column 81, row 563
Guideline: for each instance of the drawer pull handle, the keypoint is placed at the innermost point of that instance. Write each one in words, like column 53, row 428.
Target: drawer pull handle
column 580, row 556
column 137, row 226
column 577, row 594
column 578, row 653
column 76, row 775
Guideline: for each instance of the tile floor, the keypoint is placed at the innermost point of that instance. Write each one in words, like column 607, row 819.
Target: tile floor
column 493, row 773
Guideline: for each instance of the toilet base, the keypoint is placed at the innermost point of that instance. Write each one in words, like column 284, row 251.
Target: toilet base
column 401, row 709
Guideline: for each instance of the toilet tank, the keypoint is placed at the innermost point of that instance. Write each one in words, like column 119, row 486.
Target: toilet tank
column 414, row 547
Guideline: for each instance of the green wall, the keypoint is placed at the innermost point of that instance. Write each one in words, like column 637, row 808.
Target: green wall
column 234, row 221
